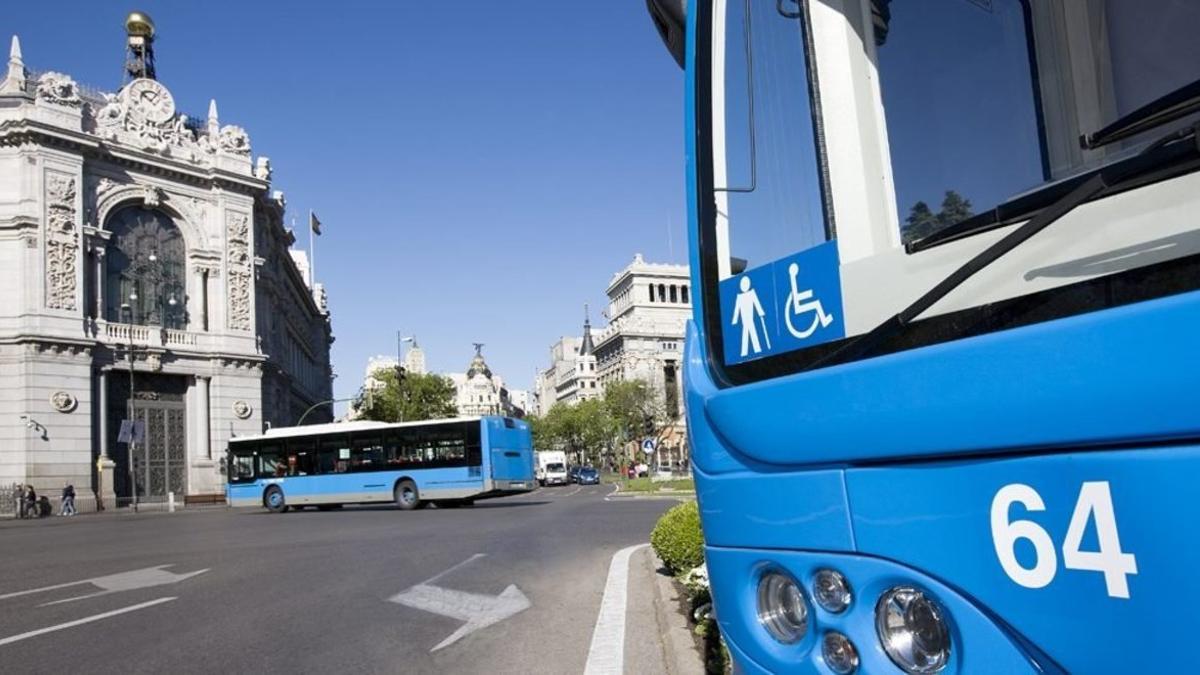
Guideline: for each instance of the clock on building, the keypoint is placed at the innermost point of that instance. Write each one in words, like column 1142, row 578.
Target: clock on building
column 150, row 99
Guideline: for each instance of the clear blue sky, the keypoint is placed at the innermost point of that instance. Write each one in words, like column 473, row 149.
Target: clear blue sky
column 481, row 168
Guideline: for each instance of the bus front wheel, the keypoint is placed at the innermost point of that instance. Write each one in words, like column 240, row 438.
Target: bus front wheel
column 274, row 501
column 407, row 497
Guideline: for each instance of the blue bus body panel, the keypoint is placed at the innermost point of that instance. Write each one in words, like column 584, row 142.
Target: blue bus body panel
column 781, row 510
column 937, row 518
column 1123, row 375
column 510, row 450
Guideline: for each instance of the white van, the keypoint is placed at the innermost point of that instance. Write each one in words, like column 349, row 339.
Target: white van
column 551, row 467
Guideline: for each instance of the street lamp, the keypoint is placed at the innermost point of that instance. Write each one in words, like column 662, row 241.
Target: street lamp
column 127, row 309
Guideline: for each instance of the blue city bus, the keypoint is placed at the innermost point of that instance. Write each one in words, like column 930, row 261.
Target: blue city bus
column 444, row 462
column 941, row 380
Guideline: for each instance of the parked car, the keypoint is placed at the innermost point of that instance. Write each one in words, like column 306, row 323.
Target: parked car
column 587, row 476
column 573, row 474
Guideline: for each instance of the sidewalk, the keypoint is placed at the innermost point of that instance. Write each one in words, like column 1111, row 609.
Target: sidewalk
column 658, row 638
column 149, row 509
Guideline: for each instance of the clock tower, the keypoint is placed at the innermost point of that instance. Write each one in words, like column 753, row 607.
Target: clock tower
column 139, row 47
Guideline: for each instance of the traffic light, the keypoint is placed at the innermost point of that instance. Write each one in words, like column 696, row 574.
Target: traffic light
column 648, row 425
column 401, row 373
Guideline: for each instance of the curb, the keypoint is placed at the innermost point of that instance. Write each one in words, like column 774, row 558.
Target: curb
column 674, row 626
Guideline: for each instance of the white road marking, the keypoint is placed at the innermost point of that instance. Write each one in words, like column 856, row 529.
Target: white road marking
column 573, row 493
column 615, row 490
column 606, row 656
column 477, row 610
column 78, row 622
column 460, row 565
column 114, row 583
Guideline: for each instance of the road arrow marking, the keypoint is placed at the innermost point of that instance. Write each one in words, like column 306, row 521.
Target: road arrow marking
column 476, row 609
column 115, row 583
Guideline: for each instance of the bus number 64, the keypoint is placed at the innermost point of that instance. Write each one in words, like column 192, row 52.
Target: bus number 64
column 1094, row 502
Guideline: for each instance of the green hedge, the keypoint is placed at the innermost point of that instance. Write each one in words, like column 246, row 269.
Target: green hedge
column 677, row 539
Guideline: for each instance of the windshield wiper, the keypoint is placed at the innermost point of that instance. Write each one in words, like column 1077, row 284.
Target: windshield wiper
column 1167, row 108
column 1085, row 191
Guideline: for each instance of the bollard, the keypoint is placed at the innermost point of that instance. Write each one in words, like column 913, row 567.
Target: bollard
column 170, row 502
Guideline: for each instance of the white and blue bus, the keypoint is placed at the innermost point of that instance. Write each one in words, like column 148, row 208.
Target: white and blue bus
column 445, row 462
column 941, row 377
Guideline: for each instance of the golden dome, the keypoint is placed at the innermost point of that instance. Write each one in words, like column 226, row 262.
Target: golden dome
column 139, row 24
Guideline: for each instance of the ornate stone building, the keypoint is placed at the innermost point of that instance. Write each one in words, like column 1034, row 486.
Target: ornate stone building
column 572, row 374
column 479, row 391
column 145, row 264
column 649, row 306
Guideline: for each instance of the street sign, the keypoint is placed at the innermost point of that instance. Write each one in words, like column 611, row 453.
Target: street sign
column 648, row 445
column 132, row 431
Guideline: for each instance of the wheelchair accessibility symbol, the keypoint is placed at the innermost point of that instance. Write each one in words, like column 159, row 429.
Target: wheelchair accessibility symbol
column 805, row 287
column 798, row 303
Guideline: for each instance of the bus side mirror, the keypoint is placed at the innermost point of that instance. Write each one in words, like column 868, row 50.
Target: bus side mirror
column 670, row 17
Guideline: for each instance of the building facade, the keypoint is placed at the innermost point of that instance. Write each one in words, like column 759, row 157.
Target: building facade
column 649, row 306
column 146, row 266
column 572, row 375
column 479, row 391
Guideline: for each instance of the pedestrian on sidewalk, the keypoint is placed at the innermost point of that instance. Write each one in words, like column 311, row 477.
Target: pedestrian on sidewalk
column 30, row 502
column 68, row 501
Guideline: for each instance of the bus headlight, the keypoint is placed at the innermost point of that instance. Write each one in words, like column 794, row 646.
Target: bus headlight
column 839, row 653
column 831, row 591
column 782, row 609
column 912, row 630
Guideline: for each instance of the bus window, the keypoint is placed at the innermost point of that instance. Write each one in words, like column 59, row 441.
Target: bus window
column 961, row 109
column 986, row 103
column 447, row 445
column 474, row 449
column 766, row 173
column 367, row 453
column 301, row 457
column 333, row 455
column 271, row 461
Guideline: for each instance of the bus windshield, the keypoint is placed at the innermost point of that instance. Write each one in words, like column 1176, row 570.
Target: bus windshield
column 971, row 114
column 986, row 100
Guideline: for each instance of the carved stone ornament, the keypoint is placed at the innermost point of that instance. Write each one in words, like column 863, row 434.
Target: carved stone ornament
column 240, row 271
column 143, row 116
column 262, row 168
column 58, row 89
column 234, row 140
column 62, row 240
column 63, row 401
column 242, row 409
column 154, row 361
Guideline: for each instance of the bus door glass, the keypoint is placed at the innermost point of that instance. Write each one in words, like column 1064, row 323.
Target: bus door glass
column 775, row 266
column 241, row 463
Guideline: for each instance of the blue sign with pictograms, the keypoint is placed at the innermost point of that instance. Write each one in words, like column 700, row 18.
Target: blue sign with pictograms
column 789, row 304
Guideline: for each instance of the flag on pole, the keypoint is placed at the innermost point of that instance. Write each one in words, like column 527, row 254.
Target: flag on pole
column 314, row 223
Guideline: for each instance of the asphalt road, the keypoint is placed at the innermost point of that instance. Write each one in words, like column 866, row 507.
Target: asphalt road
column 311, row 591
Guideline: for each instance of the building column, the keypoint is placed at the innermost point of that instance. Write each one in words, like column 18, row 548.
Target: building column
column 204, row 299
column 98, row 257
column 203, row 419
column 107, row 499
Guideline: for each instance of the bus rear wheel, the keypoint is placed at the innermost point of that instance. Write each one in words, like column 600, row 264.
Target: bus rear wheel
column 406, row 495
column 274, row 501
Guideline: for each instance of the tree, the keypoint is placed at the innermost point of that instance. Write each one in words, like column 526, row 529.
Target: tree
column 955, row 209
column 411, row 398
column 922, row 222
